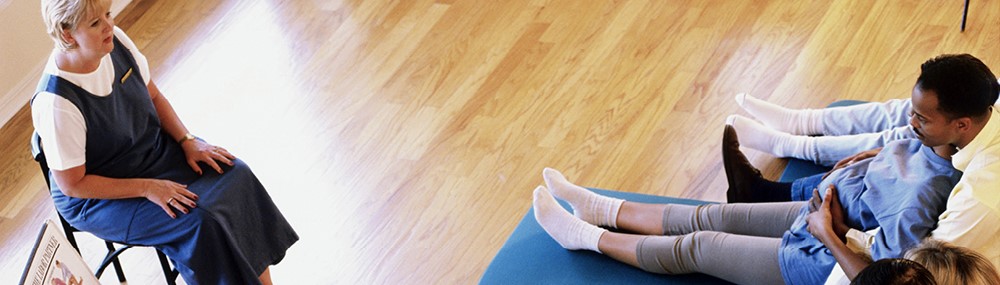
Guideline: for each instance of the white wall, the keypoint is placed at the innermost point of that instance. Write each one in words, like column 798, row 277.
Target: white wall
column 24, row 47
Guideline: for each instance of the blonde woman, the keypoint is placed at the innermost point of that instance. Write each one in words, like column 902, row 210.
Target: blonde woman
column 952, row 264
column 125, row 168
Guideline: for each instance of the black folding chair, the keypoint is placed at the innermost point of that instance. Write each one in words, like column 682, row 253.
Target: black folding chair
column 111, row 258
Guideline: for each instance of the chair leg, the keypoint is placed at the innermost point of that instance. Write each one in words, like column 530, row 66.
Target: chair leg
column 112, row 258
column 965, row 14
column 117, row 264
column 68, row 230
column 169, row 274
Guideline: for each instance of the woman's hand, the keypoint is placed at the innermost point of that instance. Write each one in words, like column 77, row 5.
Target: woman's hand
column 826, row 223
column 170, row 195
column 197, row 150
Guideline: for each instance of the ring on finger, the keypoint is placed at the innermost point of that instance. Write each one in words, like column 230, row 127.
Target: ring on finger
column 170, row 200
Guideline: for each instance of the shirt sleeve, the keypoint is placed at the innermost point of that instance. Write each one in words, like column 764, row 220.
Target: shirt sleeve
column 902, row 231
column 62, row 129
column 970, row 221
column 140, row 59
column 861, row 242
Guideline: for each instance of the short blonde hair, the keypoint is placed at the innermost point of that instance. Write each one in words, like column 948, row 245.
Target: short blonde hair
column 952, row 264
column 65, row 15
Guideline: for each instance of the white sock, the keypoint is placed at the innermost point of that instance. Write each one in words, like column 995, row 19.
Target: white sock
column 792, row 121
column 570, row 232
column 756, row 136
column 588, row 206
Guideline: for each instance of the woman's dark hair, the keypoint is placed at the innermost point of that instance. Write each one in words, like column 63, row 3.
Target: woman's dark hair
column 964, row 85
column 894, row 271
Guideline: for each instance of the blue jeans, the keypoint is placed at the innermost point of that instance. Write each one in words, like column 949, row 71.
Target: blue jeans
column 802, row 188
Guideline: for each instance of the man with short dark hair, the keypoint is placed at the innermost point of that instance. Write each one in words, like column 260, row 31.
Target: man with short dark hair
column 952, row 102
column 972, row 218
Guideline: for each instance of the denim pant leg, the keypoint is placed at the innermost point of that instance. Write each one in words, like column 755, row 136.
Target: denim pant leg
column 802, row 188
column 866, row 118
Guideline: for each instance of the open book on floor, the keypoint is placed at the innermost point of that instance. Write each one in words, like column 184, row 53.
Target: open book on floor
column 54, row 261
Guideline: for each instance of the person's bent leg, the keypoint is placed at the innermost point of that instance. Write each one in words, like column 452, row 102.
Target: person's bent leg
column 828, row 150
column 791, row 121
column 760, row 137
column 823, row 150
column 847, row 120
column 739, row 259
column 866, row 118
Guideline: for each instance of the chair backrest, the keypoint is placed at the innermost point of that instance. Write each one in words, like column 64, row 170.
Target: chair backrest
column 39, row 156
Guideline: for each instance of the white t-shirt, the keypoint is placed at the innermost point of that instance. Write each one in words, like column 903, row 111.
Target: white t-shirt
column 59, row 123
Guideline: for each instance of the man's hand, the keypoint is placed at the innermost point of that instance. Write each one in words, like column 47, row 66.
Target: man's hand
column 852, row 159
column 837, row 213
column 826, row 220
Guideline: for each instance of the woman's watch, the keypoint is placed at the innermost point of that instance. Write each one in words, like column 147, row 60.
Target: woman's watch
column 187, row 136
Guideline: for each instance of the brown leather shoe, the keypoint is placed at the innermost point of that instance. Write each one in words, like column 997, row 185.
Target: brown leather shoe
column 739, row 172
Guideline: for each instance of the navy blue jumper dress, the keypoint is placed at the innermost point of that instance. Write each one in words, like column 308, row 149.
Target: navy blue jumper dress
column 233, row 234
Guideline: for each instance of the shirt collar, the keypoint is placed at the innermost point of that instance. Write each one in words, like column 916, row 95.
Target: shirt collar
column 986, row 136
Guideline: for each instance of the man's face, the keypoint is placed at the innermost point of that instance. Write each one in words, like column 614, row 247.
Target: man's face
column 933, row 128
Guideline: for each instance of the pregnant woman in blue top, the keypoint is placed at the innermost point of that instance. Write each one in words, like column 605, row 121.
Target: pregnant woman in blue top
column 902, row 190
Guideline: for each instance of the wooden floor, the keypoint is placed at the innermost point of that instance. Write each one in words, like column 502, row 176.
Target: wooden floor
column 402, row 139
